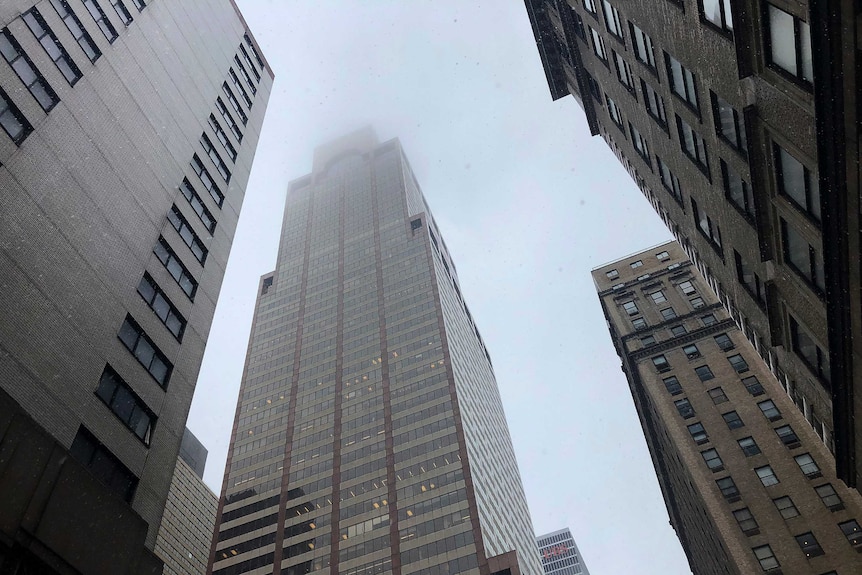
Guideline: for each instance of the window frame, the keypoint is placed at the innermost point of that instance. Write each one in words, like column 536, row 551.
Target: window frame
column 110, row 396
column 797, row 77
column 641, row 39
column 733, row 419
column 65, row 11
column 688, row 93
column 131, row 329
column 62, row 55
column 725, row 24
column 738, row 141
column 815, row 276
column 781, row 510
column 698, row 154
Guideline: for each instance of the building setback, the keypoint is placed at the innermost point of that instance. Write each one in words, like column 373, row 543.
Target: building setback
column 369, row 434
column 560, row 555
column 748, row 485
column 127, row 132
column 731, row 116
column 189, row 519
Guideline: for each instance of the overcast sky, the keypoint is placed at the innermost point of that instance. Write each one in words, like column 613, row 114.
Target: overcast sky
column 528, row 203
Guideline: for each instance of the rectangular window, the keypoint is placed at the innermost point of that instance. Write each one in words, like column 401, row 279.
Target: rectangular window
column 648, row 340
column 234, row 103
column 682, row 82
column 126, row 404
column 636, row 264
column 179, row 222
column 717, row 395
column 236, row 84
column 698, row 433
column 672, row 385
column 803, row 258
column 639, row 323
column 631, row 307
column 808, row 466
column 786, row 507
column 692, row 145
column 254, row 50
column 84, row 40
column 746, row 521
column 26, row 71
column 809, row 545
column 251, row 65
column 654, row 105
column 708, row 319
column 595, row 90
column 852, row 531
column 729, row 124
column 590, row 6
column 796, row 182
column 612, row 274
column 733, row 420
column 668, row 313
column 122, row 11
column 198, row 206
column 176, row 268
column 697, row 302
column 207, row 180
column 718, row 14
column 640, row 144
column 767, row 476
column 139, row 4
column 210, row 150
column 687, row 288
column 145, row 351
column 769, row 410
column 644, row 51
column 612, row 19
column 753, row 385
column 748, row 446
column 789, row 45
column 162, row 306
column 787, row 436
column 599, row 46
column 101, row 19
column 749, row 280
column 660, row 363
column 683, row 406
column 52, row 46
column 723, row 341
column 614, row 112
column 624, row 73
column 737, row 191
column 691, row 351
column 662, row 256
column 712, row 460
column 245, row 75
column 829, row 497
column 658, row 297
column 225, row 114
column 669, row 180
column 766, row 558
column 728, row 489
column 222, row 137
column 103, row 464
column 706, row 226
column 12, row 120
column 678, row 330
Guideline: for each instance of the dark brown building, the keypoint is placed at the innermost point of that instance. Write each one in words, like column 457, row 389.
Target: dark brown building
column 732, row 116
column 748, row 484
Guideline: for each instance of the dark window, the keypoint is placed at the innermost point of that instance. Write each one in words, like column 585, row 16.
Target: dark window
column 829, row 497
column 767, row 476
column 146, row 352
column 787, row 436
column 647, row 340
column 630, row 307
column 207, row 180
column 219, row 164
column 749, row 280
column 253, row 68
column 706, row 226
column 668, row 313
column 103, row 464
column 808, row 466
column 179, row 222
column 101, row 19
column 85, row 41
column 692, row 145
column 769, row 410
column 12, row 120
column 122, row 11
column 728, row 489
column 614, row 113
column 698, row 433
column 691, row 351
column 678, row 330
column 733, row 420
column 640, row 144
column 26, row 71
column 234, row 103
column 753, row 385
column 253, row 50
column 176, row 268
column 661, row 364
column 718, row 14
column 852, row 531
column 682, row 82
column 672, row 385
column 717, row 395
column 197, row 205
column 595, row 90
column 805, row 347
column 729, row 124
column 654, row 105
column 712, row 460
column 222, row 137
column 789, row 45
column 704, row 373
column 225, row 114
column 738, row 363
column 708, row 319
column 749, row 446
column 644, row 51
column 803, row 257
column 746, row 521
column 786, row 507
column 162, row 306
column 683, row 406
column 796, row 182
column 624, row 72
column 139, row 4
column 766, row 558
column 809, row 545
column 245, row 75
column 737, row 191
column 697, row 302
column 125, row 404
column 52, row 46
column 239, row 88
column 639, row 323
column 723, row 341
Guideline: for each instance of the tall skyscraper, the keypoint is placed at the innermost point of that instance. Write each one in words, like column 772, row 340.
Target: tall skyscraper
column 560, row 555
column 189, row 519
column 127, row 132
column 369, row 434
column 745, row 479
column 731, row 117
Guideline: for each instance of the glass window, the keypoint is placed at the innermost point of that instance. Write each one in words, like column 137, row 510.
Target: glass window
column 723, row 341
column 733, row 420
column 753, row 385
column 767, row 475
column 668, row 313
column 691, row 351
column 52, row 46
column 787, row 436
column 728, row 488
column 644, row 51
column 746, row 521
column 85, row 41
column 660, row 362
column 717, row 395
column 704, row 373
column 809, row 545
column 712, row 460
column 672, row 385
column 738, row 363
column 678, row 330
column 613, row 274
column 590, row 6
column 686, row 287
column 683, row 406
column 693, row 145
column 796, row 182
column 142, row 347
column 737, row 191
column 630, row 307
column 125, row 404
column 789, row 46
column 639, row 323
column 662, row 256
column 185, row 231
column 12, row 120
column 647, row 340
column 749, row 446
column 614, row 112
column 27, row 72
column 829, row 497
column 706, row 226
column 808, row 466
column 718, row 13
column 599, row 45
column 803, row 258
column 640, row 144
column 852, row 531
column 786, row 507
column 708, row 319
column 698, row 433
column 697, row 302
column 162, row 306
column 770, row 411
column 612, row 19
column 729, row 124
column 767, row 559
column 101, row 19
column 122, row 11
column 636, row 264
column 669, row 180
column 746, row 276
column 682, row 81
column 658, row 296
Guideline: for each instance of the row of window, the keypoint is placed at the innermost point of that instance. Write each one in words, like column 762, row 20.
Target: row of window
column 614, row 273
column 806, row 541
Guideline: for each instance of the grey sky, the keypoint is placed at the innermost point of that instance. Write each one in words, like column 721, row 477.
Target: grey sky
column 528, row 204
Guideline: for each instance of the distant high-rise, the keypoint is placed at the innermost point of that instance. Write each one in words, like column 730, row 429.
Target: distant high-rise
column 189, row 518
column 369, row 434
column 560, row 555
column 127, row 133
column 748, row 484
column 739, row 121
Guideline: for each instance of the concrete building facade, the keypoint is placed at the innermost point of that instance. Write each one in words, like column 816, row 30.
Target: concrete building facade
column 748, row 484
column 732, row 116
column 127, row 132
column 370, row 436
column 560, row 555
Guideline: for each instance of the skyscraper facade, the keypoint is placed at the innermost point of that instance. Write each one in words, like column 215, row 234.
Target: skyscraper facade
column 369, row 435
column 731, row 117
column 747, row 482
column 560, row 555
column 127, row 132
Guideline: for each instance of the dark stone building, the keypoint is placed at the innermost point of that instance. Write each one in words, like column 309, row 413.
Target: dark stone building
column 738, row 120
column 127, row 132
